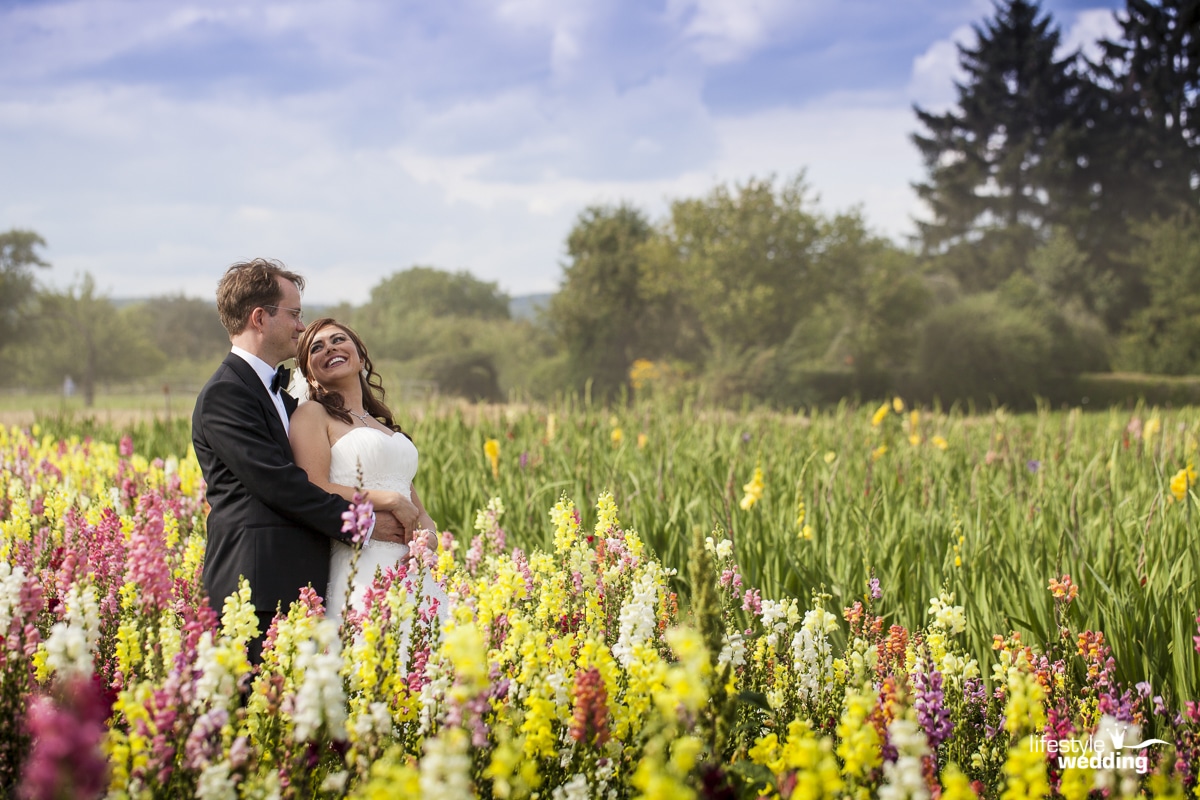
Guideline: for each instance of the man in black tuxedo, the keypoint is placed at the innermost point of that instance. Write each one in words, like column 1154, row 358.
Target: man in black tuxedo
column 266, row 520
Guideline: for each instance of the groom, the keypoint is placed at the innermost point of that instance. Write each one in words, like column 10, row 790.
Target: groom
column 266, row 520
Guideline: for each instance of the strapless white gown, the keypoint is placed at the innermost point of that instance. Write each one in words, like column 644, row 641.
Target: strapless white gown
column 372, row 459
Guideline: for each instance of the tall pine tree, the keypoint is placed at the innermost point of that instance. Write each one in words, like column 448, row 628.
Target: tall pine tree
column 1140, row 155
column 995, row 162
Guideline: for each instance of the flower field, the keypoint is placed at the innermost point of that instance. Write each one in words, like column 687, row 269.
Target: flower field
column 864, row 602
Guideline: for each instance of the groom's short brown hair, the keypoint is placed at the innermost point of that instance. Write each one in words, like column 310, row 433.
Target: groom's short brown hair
column 248, row 285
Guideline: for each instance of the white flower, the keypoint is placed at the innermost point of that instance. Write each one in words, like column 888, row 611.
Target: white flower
column 946, row 615
column 73, row 640
column 445, row 771
column 320, row 699
column 11, row 580
column 574, row 789
column 335, row 782
column 215, row 783
column 733, row 650
column 818, row 620
column 903, row 778
column 637, row 619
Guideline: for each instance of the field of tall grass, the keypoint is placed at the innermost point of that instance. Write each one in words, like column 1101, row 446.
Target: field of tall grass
column 989, row 507
column 1000, row 579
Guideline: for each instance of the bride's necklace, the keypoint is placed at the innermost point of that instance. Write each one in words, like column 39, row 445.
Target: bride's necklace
column 363, row 417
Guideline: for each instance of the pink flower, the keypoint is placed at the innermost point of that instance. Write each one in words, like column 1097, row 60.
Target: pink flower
column 66, row 728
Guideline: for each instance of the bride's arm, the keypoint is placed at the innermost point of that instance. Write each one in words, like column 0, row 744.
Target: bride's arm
column 309, row 434
column 424, row 521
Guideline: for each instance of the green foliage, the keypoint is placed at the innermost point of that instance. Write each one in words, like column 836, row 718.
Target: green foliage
column 464, row 373
column 184, row 328
column 984, row 350
column 452, row 329
column 1032, row 496
column 995, row 162
column 609, row 311
column 1165, row 335
column 18, row 289
column 83, row 335
column 747, row 259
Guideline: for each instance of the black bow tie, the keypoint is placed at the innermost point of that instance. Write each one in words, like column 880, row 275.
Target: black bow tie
column 283, row 377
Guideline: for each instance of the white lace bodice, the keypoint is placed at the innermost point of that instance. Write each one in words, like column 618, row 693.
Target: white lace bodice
column 388, row 461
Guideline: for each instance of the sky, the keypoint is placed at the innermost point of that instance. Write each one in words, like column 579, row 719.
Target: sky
column 152, row 143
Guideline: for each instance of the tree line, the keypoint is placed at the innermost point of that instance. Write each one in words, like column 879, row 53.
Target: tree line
column 1061, row 237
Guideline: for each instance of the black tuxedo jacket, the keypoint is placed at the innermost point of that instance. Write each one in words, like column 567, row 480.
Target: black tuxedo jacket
column 266, row 520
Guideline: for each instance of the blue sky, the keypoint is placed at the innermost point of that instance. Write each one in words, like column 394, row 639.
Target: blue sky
column 154, row 142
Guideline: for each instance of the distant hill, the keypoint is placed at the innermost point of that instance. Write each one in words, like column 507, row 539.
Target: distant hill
column 527, row 306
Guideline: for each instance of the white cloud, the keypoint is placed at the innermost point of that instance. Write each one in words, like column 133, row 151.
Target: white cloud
column 1089, row 28
column 935, row 71
column 727, row 30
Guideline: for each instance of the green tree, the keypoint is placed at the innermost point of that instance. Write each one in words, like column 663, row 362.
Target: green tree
column 1164, row 336
column 83, row 335
column 748, row 260
column 879, row 297
column 608, row 311
column 396, row 317
column 996, row 162
column 18, row 288
column 1139, row 155
column 184, row 328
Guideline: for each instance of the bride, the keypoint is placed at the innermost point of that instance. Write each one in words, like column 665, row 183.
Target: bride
column 347, row 438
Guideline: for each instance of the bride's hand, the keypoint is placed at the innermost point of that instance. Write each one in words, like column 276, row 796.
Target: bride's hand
column 386, row 501
column 408, row 515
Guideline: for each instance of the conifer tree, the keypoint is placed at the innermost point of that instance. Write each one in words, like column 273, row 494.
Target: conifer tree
column 1140, row 156
column 996, row 161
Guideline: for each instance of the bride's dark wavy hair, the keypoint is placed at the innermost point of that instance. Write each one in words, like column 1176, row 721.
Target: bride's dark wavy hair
column 372, row 384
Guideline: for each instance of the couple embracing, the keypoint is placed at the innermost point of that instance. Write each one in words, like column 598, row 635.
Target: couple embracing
column 280, row 476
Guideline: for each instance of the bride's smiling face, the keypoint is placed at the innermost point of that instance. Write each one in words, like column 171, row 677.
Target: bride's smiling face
column 332, row 356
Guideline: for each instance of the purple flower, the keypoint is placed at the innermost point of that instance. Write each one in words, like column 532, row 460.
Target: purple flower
column 67, row 729
column 930, row 704
column 1033, row 465
column 359, row 518
column 876, row 592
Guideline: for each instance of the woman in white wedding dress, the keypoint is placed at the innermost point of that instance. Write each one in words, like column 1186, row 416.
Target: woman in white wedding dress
column 346, row 437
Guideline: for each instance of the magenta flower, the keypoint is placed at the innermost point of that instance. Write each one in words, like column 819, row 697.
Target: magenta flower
column 359, row 519
column 66, row 728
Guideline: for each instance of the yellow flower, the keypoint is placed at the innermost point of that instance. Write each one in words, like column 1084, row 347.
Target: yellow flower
column 753, row 490
column 1153, row 426
column 1183, row 481
column 642, row 440
column 940, row 442
column 617, row 435
column 491, row 449
column 897, row 405
column 878, row 452
column 880, row 415
column 642, row 372
column 830, row 457
column 914, row 439
column 551, row 427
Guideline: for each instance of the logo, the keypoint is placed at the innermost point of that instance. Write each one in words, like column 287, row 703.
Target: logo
column 1106, row 749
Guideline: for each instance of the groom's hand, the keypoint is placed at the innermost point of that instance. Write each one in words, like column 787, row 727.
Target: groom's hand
column 389, row 529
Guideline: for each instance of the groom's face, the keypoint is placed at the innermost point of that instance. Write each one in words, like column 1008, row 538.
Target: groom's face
column 284, row 328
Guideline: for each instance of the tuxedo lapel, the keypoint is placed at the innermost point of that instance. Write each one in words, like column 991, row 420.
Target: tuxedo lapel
column 247, row 374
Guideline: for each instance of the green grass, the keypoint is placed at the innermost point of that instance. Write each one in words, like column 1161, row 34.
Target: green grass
column 1019, row 499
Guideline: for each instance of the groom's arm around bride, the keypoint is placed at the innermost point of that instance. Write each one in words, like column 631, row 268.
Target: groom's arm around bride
column 266, row 522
